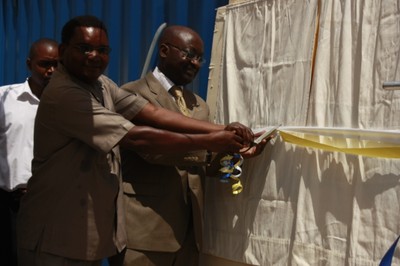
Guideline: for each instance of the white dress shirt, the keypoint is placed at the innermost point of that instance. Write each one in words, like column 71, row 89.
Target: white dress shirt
column 18, row 106
column 165, row 82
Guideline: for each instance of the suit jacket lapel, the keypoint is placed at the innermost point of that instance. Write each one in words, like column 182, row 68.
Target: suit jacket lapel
column 161, row 95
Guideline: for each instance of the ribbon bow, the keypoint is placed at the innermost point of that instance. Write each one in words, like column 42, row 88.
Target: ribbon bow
column 231, row 170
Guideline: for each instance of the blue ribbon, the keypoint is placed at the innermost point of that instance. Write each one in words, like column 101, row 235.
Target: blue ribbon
column 387, row 259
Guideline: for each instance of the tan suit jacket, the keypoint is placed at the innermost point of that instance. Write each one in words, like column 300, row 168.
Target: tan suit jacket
column 160, row 199
column 73, row 206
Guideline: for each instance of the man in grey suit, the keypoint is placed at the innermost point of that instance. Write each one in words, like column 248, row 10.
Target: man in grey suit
column 163, row 193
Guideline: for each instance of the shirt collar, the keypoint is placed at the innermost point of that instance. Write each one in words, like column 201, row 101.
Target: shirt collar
column 25, row 89
column 165, row 82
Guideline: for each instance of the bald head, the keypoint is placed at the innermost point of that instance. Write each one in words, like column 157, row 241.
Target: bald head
column 180, row 54
column 172, row 33
column 41, row 62
column 43, row 42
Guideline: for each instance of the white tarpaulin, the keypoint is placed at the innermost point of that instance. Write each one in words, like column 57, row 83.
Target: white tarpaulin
column 317, row 64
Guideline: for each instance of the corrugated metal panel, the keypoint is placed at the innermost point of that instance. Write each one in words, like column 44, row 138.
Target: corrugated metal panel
column 131, row 23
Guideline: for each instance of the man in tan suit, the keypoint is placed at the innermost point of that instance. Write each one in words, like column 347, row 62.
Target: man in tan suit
column 72, row 213
column 163, row 194
column 163, row 201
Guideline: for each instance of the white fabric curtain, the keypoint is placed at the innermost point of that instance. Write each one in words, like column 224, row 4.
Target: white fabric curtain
column 312, row 64
column 266, row 67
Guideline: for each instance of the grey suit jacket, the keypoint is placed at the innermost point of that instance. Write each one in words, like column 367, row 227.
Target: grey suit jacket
column 162, row 192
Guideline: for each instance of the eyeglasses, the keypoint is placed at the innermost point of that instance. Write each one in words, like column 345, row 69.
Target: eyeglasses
column 87, row 49
column 188, row 54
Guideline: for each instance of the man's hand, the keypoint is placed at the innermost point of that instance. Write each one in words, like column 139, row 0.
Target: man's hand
column 241, row 130
column 256, row 149
column 225, row 141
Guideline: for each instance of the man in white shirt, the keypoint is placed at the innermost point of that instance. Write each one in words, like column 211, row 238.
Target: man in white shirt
column 18, row 105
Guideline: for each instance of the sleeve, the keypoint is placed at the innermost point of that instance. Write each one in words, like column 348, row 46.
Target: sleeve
column 126, row 103
column 2, row 116
column 4, row 167
column 79, row 115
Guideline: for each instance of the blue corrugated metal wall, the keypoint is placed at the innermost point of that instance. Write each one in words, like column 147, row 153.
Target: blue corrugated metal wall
column 131, row 24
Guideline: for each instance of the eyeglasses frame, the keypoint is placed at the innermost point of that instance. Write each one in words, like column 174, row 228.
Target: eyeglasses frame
column 188, row 54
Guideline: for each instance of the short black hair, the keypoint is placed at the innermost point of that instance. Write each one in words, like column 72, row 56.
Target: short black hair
column 85, row 21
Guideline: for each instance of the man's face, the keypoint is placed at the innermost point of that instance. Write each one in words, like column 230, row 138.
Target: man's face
column 43, row 63
column 180, row 66
column 86, row 56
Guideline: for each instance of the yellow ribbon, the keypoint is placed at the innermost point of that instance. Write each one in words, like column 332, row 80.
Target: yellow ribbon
column 369, row 143
column 380, row 144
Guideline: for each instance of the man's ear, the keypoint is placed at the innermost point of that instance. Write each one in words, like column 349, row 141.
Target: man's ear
column 29, row 63
column 163, row 51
